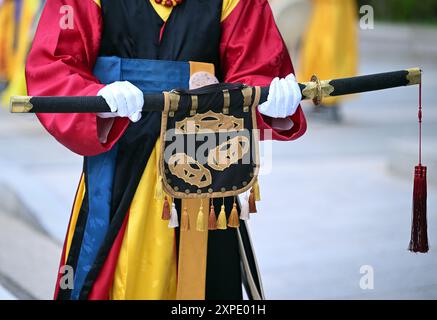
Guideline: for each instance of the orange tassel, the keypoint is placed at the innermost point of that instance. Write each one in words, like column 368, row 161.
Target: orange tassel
column 185, row 220
column 166, row 214
column 252, row 202
column 234, row 220
column 212, row 222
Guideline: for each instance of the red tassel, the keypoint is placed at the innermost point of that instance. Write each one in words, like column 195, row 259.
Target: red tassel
column 166, row 214
column 419, row 233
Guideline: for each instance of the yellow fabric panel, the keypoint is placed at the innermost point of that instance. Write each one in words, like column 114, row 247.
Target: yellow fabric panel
column 201, row 67
column 16, row 63
column 193, row 248
column 228, row 7
column 7, row 27
column 163, row 11
column 330, row 46
column 97, row 2
column 146, row 267
column 75, row 214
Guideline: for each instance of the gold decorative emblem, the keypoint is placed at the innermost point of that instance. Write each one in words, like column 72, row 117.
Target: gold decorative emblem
column 191, row 171
column 228, row 153
column 210, row 121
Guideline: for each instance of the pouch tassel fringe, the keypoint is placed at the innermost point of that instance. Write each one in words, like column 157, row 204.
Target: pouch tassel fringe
column 185, row 220
column 244, row 214
column 166, row 214
column 200, row 225
column 174, row 219
column 256, row 191
column 234, row 220
column 252, row 202
column 221, row 221
column 212, row 220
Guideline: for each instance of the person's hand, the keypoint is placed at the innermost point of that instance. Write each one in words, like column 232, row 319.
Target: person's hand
column 283, row 99
column 124, row 99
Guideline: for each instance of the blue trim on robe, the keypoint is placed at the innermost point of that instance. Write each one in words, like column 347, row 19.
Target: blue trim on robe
column 150, row 76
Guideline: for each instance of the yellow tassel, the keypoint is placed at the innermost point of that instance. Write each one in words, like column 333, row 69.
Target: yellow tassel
column 212, row 221
column 166, row 214
column 234, row 220
column 159, row 193
column 221, row 221
column 185, row 220
column 256, row 191
column 201, row 225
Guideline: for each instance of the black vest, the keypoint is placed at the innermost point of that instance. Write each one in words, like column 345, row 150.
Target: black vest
column 132, row 29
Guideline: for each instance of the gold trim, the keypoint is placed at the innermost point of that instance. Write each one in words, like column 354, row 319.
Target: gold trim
column 226, row 101
column 20, row 104
column 247, row 96
column 236, row 148
column 191, row 171
column 166, row 102
column 414, row 76
column 209, row 121
column 194, row 104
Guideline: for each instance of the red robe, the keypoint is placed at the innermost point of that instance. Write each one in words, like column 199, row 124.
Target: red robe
column 61, row 63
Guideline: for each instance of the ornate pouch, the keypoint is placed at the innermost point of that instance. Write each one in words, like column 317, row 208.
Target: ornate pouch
column 209, row 141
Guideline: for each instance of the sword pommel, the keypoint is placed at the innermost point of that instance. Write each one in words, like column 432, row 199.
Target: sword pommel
column 21, row 104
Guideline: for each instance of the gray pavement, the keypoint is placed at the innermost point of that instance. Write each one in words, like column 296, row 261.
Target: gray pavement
column 336, row 200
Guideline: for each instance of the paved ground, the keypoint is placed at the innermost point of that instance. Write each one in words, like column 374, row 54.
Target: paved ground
column 336, row 200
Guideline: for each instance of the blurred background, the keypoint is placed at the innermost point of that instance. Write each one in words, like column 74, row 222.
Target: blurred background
column 334, row 220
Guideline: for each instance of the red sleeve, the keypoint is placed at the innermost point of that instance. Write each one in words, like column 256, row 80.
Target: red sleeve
column 253, row 52
column 60, row 63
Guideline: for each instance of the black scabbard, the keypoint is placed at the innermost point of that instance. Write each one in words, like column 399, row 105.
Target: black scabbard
column 369, row 83
column 315, row 89
column 152, row 102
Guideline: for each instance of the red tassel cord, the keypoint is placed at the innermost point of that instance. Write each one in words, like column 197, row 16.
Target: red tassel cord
column 419, row 233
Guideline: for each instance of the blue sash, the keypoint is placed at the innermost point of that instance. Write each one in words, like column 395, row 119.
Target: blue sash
column 150, row 76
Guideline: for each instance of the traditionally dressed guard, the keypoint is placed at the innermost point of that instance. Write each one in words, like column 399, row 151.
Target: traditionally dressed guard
column 117, row 242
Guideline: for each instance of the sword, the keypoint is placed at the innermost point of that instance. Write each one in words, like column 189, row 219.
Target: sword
column 315, row 89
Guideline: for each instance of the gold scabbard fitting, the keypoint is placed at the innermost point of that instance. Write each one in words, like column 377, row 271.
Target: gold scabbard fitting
column 226, row 101
column 174, row 103
column 414, row 76
column 317, row 100
column 20, row 104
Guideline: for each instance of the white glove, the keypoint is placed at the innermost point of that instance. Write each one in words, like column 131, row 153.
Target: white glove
column 124, row 99
column 284, row 98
